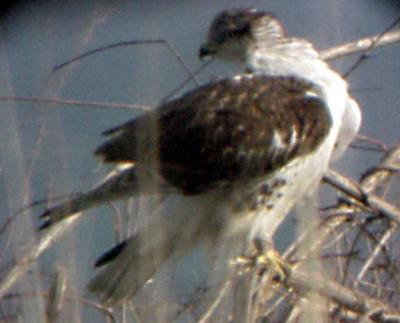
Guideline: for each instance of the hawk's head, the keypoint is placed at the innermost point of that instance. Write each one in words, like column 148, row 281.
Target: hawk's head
column 236, row 31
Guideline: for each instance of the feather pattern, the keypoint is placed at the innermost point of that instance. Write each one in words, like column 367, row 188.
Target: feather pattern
column 224, row 131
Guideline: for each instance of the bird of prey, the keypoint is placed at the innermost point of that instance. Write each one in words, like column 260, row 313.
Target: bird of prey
column 233, row 156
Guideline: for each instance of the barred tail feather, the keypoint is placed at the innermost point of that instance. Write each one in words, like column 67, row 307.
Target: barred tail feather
column 123, row 184
column 128, row 272
column 181, row 223
column 67, row 209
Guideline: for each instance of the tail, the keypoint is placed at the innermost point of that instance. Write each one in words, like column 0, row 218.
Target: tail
column 122, row 184
column 68, row 208
column 182, row 222
column 128, row 270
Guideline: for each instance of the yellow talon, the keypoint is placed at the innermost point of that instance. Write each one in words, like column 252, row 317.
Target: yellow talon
column 277, row 264
column 270, row 260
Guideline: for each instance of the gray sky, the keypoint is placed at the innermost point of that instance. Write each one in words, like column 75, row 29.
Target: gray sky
column 46, row 150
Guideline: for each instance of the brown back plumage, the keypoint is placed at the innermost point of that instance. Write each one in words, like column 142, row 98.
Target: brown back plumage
column 232, row 129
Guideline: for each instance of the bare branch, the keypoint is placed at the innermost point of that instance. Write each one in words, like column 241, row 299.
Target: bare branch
column 350, row 299
column 75, row 102
column 368, row 200
column 360, row 45
column 108, row 312
column 381, row 173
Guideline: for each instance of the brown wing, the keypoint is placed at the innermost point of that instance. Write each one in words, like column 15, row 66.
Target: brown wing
column 235, row 128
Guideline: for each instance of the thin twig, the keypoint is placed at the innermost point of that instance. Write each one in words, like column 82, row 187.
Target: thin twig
column 129, row 43
column 23, row 264
column 378, row 248
column 187, row 80
column 217, row 301
column 75, row 102
column 350, row 299
column 365, row 53
column 70, row 298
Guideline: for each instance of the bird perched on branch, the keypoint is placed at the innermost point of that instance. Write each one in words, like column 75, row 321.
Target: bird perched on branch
column 233, row 155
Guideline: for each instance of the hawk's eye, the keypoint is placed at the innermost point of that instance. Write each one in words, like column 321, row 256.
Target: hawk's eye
column 230, row 33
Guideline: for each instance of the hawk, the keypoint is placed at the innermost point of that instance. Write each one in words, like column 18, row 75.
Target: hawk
column 232, row 156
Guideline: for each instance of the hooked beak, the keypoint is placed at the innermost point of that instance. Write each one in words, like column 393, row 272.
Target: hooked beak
column 207, row 50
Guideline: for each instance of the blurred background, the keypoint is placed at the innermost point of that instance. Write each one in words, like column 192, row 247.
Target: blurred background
column 46, row 149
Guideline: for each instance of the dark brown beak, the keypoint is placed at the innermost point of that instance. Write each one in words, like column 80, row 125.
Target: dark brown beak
column 207, row 50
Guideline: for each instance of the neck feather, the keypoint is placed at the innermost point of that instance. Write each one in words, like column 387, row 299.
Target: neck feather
column 292, row 57
column 297, row 58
